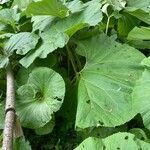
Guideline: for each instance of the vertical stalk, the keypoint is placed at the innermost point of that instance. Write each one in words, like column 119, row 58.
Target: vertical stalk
column 107, row 25
column 71, row 59
column 9, row 111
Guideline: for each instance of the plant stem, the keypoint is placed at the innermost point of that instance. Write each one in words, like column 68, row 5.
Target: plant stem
column 107, row 25
column 9, row 111
column 71, row 59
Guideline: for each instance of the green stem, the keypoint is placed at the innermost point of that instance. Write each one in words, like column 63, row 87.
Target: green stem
column 71, row 59
column 107, row 25
column 78, row 61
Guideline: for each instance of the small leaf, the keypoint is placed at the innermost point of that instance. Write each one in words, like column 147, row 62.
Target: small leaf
column 52, row 39
column 21, row 42
column 40, row 97
column 21, row 144
column 116, row 4
column 9, row 16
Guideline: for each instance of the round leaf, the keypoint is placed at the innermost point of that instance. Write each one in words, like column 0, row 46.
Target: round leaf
column 40, row 97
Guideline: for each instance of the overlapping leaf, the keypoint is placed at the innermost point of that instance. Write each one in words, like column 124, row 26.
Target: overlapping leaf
column 106, row 82
column 21, row 43
column 141, row 93
column 47, row 7
column 40, row 97
column 21, row 144
column 58, row 34
column 140, row 37
column 139, row 9
column 118, row 141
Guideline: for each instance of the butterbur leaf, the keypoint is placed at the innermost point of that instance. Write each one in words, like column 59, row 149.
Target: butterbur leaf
column 9, row 16
column 141, row 94
column 40, row 97
column 21, row 42
column 144, row 4
column 140, row 14
column 41, row 22
column 142, row 33
column 118, row 141
column 106, row 82
column 46, row 129
column 22, row 5
column 126, row 23
column 75, row 6
column 52, row 39
column 90, row 16
column 116, row 4
column 21, row 144
column 47, row 7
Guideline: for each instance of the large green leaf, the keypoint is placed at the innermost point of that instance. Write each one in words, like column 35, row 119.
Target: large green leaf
column 40, row 97
column 118, row 141
column 47, row 7
column 106, row 82
column 21, row 42
column 141, row 93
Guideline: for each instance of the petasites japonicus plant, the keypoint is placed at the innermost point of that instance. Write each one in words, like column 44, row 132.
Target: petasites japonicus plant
column 74, row 71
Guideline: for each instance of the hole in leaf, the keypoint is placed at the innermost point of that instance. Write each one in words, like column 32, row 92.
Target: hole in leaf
column 88, row 101
column 98, row 134
column 142, row 138
column 59, row 99
column 126, row 137
column 101, row 123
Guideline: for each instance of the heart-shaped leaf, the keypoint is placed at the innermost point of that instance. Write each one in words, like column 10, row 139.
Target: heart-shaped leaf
column 106, row 82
